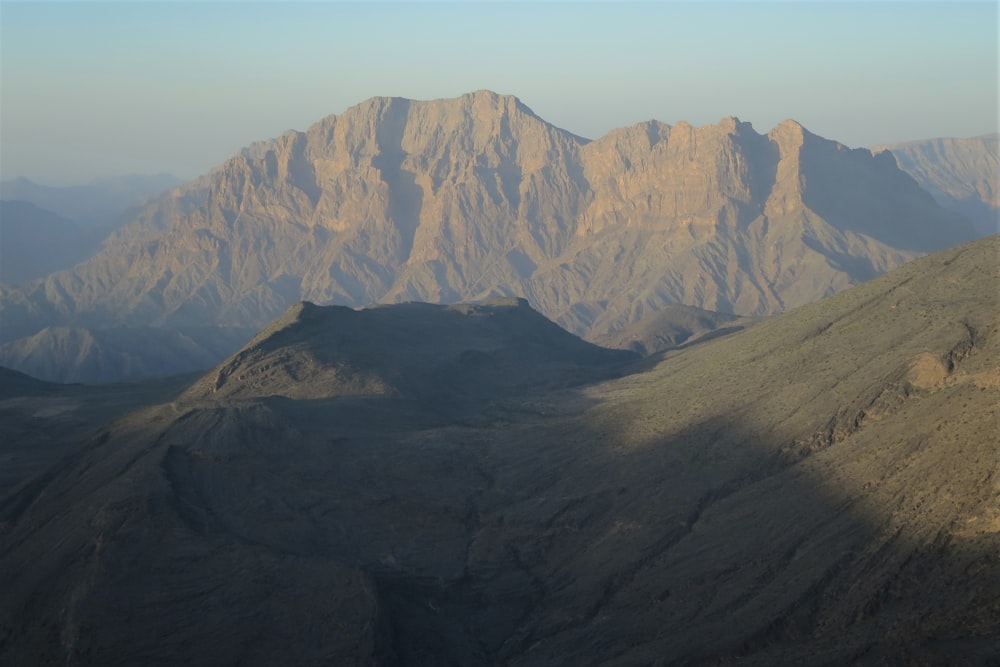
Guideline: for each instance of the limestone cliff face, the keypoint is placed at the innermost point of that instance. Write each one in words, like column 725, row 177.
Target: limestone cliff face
column 463, row 199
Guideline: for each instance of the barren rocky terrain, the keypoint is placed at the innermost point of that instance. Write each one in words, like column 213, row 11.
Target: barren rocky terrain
column 465, row 199
column 961, row 173
column 469, row 485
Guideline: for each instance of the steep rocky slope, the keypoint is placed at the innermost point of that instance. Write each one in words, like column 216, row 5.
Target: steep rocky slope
column 462, row 199
column 962, row 174
column 817, row 489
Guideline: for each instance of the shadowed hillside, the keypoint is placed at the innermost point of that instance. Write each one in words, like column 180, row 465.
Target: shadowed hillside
column 35, row 242
column 817, row 489
column 962, row 174
column 672, row 327
column 42, row 422
column 442, row 356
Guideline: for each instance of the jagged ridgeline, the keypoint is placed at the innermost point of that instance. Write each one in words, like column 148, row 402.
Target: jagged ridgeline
column 459, row 200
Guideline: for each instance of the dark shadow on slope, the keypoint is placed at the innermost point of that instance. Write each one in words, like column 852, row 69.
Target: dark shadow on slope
column 731, row 506
column 42, row 422
column 302, row 171
column 450, row 359
column 763, row 156
column 858, row 267
column 985, row 217
column 405, row 196
column 761, row 553
column 886, row 203
column 531, row 541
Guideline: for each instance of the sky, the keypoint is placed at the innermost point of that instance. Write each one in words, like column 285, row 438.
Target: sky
column 96, row 89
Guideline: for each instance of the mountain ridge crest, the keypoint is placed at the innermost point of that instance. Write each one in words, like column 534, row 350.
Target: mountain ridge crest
column 463, row 199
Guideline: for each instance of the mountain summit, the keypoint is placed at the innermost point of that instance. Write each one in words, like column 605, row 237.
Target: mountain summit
column 444, row 357
column 464, row 199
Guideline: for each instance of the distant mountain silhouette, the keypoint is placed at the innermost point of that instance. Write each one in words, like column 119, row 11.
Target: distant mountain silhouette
column 819, row 488
column 100, row 204
column 962, row 174
column 35, row 242
column 14, row 383
column 114, row 354
column 474, row 197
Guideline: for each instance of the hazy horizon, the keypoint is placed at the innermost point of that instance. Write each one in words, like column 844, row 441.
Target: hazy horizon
column 93, row 90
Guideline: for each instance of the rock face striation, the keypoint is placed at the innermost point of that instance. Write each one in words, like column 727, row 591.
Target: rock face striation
column 469, row 198
column 819, row 488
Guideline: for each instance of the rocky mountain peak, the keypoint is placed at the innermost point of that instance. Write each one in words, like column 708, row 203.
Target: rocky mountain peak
column 733, row 125
column 788, row 133
column 489, row 101
column 464, row 199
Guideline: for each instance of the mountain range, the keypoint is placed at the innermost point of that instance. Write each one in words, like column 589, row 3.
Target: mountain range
column 961, row 173
column 35, row 242
column 476, row 197
column 471, row 485
column 45, row 229
column 100, row 204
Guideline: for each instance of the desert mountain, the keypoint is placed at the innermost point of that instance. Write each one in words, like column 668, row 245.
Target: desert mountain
column 68, row 354
column 819, row 488
column 442, row 355
column 45, row 229
column 100, row 204
column 962, row 174
column 35, row 242
column 464, row 199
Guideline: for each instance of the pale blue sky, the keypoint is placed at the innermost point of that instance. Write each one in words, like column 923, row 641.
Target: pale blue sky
column 94, row 89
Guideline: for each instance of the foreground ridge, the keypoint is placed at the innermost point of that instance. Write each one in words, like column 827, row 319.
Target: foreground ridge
column 818, row 488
